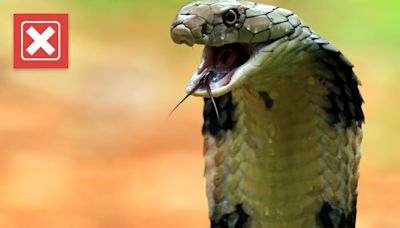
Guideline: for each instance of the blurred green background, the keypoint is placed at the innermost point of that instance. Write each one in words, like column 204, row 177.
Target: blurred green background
column 90, row 146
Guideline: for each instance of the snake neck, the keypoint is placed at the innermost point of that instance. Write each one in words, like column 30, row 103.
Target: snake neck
column 273, row 159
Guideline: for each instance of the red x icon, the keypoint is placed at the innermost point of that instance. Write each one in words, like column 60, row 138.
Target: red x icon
column 40, row 40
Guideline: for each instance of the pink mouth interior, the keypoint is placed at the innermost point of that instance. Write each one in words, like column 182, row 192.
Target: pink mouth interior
column 222, row 61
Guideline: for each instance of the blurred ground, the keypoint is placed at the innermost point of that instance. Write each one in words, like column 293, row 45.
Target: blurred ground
column 91, row 146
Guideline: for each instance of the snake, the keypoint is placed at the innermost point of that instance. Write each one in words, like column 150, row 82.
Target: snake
column 282, row 117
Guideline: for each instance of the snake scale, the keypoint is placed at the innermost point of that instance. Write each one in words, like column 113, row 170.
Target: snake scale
column 282, row 133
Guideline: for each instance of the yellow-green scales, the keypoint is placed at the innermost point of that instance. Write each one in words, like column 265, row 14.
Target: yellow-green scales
column 285, row 149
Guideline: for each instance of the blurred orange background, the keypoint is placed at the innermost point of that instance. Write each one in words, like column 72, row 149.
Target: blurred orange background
column 91, row 146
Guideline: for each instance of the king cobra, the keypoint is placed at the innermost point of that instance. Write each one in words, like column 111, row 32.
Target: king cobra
column 282, row 117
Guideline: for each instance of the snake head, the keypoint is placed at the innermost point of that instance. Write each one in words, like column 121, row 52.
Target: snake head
column 235, row 35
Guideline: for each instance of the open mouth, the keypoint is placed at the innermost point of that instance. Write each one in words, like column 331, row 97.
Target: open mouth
column 219, row 65
column 223, row 68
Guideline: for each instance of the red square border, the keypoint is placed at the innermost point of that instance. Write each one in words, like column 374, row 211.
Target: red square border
column 41, row 40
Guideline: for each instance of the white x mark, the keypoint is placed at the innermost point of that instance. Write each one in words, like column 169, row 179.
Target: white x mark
column 40, row 40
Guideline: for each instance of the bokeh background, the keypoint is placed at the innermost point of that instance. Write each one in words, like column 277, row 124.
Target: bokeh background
column 91, row 147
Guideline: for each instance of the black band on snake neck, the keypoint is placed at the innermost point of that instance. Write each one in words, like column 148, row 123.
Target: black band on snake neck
column 345, row 99
column 226, row 109
column 235, row 219
column 330, row 217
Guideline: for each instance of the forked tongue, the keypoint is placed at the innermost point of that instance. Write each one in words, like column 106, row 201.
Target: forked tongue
column 204, row 82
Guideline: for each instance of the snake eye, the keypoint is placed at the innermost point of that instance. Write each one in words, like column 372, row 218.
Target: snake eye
column 230, row 17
